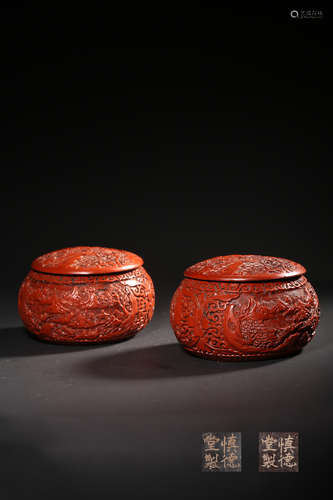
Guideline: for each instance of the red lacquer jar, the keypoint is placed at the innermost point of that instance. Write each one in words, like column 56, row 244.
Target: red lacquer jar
column 239, row 307
column 86, row 294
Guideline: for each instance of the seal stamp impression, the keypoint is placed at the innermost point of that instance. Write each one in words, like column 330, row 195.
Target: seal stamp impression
column 278, row 452
column 240, row 307
column 86, row 295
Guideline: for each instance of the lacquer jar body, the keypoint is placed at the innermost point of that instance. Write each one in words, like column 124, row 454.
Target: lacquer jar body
column 85, row 308
column 239, row 320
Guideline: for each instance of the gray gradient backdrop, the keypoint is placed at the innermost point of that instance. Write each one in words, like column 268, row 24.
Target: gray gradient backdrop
column 126, row 419
column 187, row 136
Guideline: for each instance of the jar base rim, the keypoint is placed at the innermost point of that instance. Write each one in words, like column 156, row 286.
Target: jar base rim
column 243, row 357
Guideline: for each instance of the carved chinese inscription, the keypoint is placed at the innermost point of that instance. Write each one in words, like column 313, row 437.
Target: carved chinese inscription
column 221, row 452
column 278, row 452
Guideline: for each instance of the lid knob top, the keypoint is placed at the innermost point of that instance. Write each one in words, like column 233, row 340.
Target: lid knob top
column 83, row 260
column 244, row 268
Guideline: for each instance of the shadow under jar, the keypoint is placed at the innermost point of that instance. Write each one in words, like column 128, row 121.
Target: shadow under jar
column 241, row 307
column 86, row 295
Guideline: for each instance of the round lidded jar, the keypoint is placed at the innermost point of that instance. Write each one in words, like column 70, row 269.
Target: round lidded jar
column 86, row 294
column 239, row 307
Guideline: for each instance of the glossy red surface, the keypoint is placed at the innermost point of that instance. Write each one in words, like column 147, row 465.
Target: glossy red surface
column 244, row 268
column 86, row 260
column 86, row 308
column 229, row 320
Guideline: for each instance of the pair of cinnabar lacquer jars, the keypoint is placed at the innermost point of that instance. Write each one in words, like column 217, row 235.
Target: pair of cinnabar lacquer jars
column 233, row 307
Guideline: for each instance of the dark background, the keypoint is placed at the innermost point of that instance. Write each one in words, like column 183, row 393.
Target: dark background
column 179, row 135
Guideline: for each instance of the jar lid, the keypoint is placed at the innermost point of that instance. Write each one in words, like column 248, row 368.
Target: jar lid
column 244, row 268
column 86, row 260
